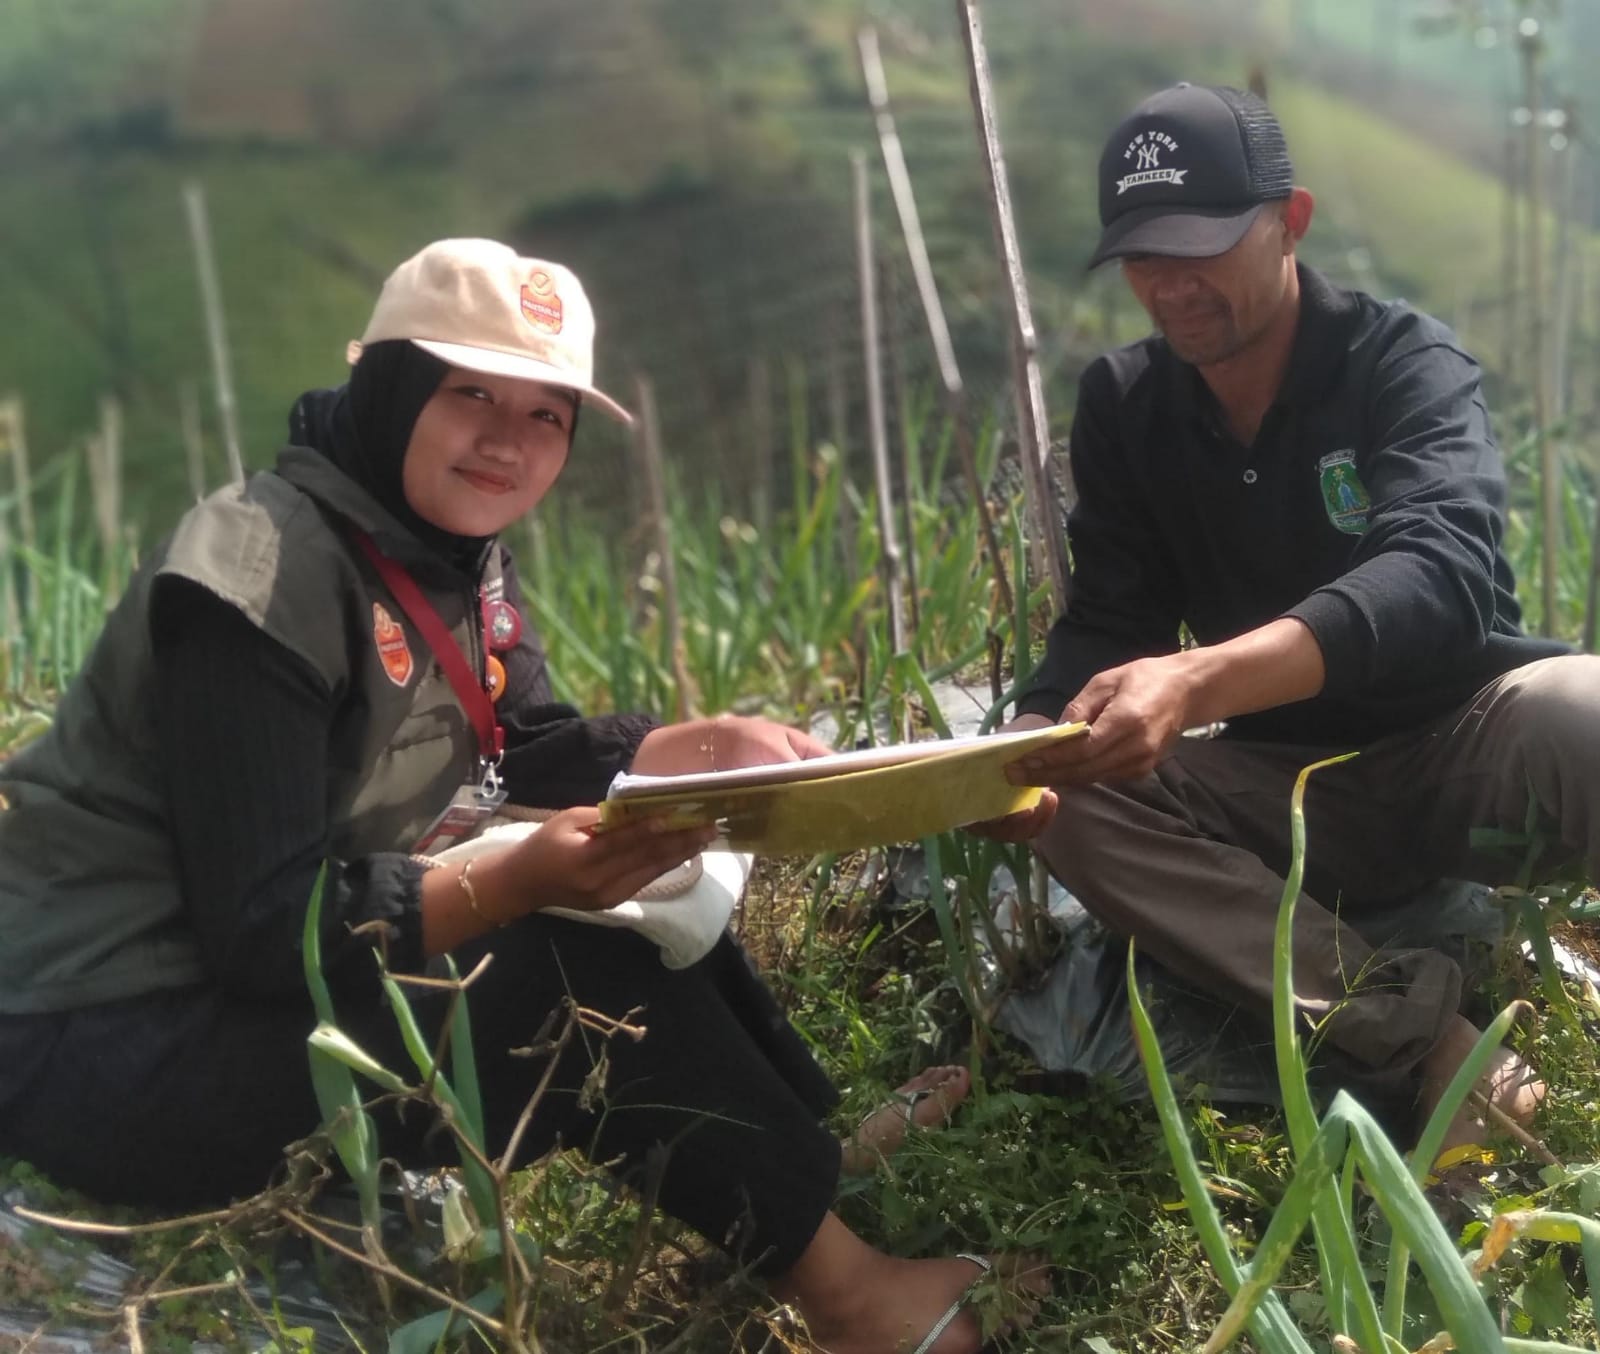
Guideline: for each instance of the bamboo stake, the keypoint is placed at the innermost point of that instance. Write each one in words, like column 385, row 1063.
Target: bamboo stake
column 1567, row 264
column 839, row 428
column 760, row 449
column 10, row 609
column 103, row 451
column 1591, row 610
column 194, row 455
column 1033, row 425
column 538, row 555
column 905, row 204
column 877, row 433
column 1510, row 254
column 647, row 439
column 1545, row 446
column 194, row 201
column 907, row 462
column 10, row 613
column 22, row 477
column 1591, row 299
column 16, row 434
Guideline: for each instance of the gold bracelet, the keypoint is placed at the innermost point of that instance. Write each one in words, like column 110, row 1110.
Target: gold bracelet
column 465, row 880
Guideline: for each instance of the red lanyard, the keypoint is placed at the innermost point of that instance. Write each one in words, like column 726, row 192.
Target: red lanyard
column 469, row 690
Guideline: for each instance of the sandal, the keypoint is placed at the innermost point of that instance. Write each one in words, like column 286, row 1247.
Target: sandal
column 862, row 1156
column 985, row 1267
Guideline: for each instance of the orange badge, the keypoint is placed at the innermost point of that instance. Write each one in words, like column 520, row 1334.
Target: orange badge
column 494, row 674
column 393, row 651
column 541, row 306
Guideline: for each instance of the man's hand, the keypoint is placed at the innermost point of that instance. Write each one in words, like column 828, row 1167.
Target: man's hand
column 1018, row 827
column 1134, row 713
column 1024, row 826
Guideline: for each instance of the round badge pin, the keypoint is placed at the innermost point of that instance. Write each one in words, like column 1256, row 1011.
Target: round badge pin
column 502, row 624
column 494, row 677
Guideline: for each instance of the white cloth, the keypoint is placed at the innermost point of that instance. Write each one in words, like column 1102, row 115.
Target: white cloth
column 684, row 912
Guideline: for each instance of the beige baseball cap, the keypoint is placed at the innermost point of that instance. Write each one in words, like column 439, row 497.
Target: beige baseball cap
column 479, row 305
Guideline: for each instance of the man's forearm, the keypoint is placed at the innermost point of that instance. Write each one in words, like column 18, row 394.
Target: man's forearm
column 1276, row 664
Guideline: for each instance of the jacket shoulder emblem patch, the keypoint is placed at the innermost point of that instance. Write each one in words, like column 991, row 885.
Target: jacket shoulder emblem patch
column 393, row 651
column 1344, row 497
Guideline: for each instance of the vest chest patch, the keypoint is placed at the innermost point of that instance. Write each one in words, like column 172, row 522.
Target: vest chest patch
column 1344, row 497
column 393, row 651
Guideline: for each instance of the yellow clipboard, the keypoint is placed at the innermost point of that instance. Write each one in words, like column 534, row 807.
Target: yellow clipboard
column 845, row 809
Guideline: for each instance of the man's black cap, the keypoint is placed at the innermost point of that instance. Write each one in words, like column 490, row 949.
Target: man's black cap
column 1187, row 172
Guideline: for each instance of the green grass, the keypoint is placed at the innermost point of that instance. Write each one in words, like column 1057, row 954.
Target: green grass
column 879, row 991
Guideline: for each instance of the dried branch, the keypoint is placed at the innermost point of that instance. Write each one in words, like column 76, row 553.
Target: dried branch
column 389, row 1271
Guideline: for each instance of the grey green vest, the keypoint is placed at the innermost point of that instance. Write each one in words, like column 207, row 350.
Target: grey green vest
column 90, row 907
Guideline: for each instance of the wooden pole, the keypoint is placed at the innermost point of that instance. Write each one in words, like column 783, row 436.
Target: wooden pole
column 1510, row 266
column 877, row 432
column 1544, row 446
column 194, row 455
column 22, row 476
column 839, row 429
column 1590, row 277
column 1567, row 264
column 1033, row 424
column 905, row 204
column 1591, row 610
column 10, row 612
column 759, row 449
column 194, row 201
column 647, row 439
column 16, row 433
column 907, row 462
column 104, row 455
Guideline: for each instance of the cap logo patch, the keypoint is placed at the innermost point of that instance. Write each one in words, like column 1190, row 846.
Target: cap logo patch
column 541, row 304
column 1144, row 154
column 393, row 651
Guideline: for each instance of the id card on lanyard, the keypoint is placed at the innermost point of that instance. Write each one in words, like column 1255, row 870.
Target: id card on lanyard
column 466, row 812
column 476, row 800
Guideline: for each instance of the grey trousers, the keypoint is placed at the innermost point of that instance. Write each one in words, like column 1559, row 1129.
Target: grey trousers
column 1190, row 860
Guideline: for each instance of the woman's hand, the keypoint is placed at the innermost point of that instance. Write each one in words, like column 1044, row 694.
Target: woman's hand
column 735, row 742
column 722, row 744
column 568, row 862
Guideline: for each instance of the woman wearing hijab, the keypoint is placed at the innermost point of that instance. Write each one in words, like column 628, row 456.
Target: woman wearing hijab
column 326, row 664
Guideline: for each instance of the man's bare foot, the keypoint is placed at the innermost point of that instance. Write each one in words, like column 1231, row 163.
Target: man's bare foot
column 909, row 1297
column 1509, row 1084
column 927, row 1100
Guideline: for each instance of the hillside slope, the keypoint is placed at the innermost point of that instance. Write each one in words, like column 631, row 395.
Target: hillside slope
column 689, row 156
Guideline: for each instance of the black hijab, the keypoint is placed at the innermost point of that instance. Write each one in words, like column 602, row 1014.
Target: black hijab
column 364, row 428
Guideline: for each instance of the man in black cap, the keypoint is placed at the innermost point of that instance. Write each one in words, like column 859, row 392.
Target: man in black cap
column 1304, row 479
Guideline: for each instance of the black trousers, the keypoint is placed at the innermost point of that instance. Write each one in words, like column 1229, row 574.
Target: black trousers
column 185, row 1099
